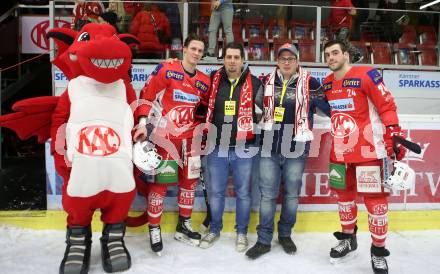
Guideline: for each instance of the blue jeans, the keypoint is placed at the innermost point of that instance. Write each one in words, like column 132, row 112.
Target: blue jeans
column 272, row 169
column 218, row 168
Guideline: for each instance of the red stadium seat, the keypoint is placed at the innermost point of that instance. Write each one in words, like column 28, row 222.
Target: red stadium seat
column 237, row 30
column 428, row 55
column 427, row 35
column 405, row 54
column 258, row 49
column 254, row 28
column 381, row 53
column 277, row 29
column 301, row 30
column 409, row 35
column 306, row 51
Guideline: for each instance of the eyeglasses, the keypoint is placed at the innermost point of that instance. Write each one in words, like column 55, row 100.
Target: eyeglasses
column 286, row 60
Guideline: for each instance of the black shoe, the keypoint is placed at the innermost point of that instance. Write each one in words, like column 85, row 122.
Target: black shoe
column 185, row 232
column 257, row 250
column 287, row 244
column 210, row 56
column 77, row 255
column 378, row 261
column 357, row 58
column 155, row 239
column 347, row 244
column 115, row 256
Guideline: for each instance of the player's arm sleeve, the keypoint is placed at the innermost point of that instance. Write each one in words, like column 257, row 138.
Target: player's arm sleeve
column 156, row 83
column 381, row 97
column 202, row 107
column 317, row 97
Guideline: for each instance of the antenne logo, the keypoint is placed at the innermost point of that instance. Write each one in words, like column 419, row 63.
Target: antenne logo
column 38, row 33
column 98, row 140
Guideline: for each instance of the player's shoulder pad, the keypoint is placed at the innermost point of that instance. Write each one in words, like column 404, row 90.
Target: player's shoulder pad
column 157, row 69
column 203, row 81
column 327, row 83
column 374, row 75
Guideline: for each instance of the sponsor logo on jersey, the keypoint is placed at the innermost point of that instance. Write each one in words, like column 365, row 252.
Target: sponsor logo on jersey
column 201, row 86
column 368, row 179
column 182, row 116
column 327, row 86
column 180, row 96
column 98, row 140
column 375, row 76
column 342, row 125
column 351, row 83
column 157, row 69
column 342, row 104
column 171, row 74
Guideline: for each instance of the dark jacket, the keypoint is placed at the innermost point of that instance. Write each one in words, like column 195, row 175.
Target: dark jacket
column 218, row 118
column 317, row 100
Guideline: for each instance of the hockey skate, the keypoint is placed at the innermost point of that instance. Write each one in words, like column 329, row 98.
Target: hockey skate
column 185, row 232
column 115, row 256
column 77, row 255
column 346, row 247
column 378, row 261
column 155, row 239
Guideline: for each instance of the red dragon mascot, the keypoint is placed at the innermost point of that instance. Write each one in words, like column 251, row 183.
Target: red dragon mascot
column 90, row 126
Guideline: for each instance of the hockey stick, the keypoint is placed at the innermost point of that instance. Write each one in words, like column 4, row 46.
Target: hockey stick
column 408, row 144
column 207, row 219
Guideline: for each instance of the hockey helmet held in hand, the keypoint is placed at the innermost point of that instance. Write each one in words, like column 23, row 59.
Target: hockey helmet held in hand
column 402, row 177
column 145, row 156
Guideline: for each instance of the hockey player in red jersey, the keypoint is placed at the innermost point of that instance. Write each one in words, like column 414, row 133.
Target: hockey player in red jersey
column 174, row 96
column 363, row 121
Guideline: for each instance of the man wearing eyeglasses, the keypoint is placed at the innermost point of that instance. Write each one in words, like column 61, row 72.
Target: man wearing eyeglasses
column 290, row 98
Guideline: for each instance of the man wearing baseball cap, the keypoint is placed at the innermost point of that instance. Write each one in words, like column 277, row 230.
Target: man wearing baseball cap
column 291, row 95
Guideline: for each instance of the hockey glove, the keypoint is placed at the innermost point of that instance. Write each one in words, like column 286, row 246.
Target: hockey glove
column 392, row 147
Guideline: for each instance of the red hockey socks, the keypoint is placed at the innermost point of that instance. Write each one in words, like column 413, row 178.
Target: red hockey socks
column 347, row 211
column 377, row 219
column 156, row 197
column 185, row 197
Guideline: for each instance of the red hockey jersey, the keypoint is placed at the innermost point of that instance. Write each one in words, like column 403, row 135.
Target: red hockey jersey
column 170, row 98
column 361, row 106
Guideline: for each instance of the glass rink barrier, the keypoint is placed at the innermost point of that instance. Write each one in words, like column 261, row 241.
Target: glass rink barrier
column 403, row 44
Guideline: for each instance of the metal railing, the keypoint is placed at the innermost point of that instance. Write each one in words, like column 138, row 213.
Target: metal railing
column 187, row 8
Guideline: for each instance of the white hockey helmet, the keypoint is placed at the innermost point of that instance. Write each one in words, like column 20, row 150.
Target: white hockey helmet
column 402, row 177
column 145, row 156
